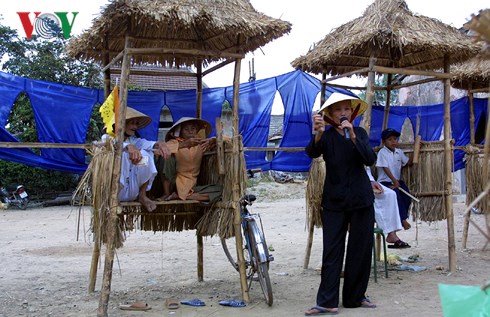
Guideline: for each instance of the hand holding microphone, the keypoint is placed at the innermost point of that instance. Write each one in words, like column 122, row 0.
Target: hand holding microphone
column 346, row 130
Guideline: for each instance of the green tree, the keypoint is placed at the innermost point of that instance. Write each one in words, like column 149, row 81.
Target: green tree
column 380, row 95
column 42, row 60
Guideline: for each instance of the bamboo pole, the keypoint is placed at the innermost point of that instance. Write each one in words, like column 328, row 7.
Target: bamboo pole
column 93, row 264
column 323, row 89
column 388, row 103
column 199, row 89
column 448, row 161
column 466, row 221
column 366, row 121
column 237, row 222
column 416, row 149
column 309, row 244
column 486, row 156
column 114, row 201
column 200, row 258
column 182, row 51
column 404, row 71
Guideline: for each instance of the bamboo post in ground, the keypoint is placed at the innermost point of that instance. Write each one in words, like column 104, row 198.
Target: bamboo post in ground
column 466, row 222
column 309, row 244
column 200, row 258
column 93, row 264
column 112, row 221
column 448, row 161
column 237, row 222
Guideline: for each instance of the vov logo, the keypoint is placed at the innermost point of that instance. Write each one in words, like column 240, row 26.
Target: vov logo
column 47, row 25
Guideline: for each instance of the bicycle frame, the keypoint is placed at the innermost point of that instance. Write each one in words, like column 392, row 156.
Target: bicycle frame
column 258, row 252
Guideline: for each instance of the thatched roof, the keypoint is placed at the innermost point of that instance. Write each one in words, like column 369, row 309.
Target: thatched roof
column 389, row 31
column 213, row 26
column 475, row 70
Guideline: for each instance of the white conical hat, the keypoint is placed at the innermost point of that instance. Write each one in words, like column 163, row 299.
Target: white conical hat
column 203, row 124
column 143, row 119
column 358, row 106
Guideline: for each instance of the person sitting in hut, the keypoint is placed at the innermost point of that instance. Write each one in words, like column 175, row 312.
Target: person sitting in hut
column 137, row 161
column 386, row 212
column 389, row 166
column 188, row 140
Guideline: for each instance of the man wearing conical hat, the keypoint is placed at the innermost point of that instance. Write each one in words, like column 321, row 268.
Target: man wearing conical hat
column 187, row 140
column 347, row 202
column 137, row 162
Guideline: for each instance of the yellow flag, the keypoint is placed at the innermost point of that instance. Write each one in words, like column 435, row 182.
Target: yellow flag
column 108, row 109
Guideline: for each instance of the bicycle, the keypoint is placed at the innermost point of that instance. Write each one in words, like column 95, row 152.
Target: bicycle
column 257, row 251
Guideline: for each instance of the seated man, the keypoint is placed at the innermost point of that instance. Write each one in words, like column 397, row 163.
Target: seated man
column 187, row 140
column 386, row 212
column 137, row 161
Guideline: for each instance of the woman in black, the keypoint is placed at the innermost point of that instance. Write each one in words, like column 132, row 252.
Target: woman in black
column 347, row 204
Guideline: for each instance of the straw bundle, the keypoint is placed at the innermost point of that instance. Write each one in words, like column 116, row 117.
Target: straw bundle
column 94, row 187
column 314, row 193
column 426, row 181
column 475, row 178
column 220, row 219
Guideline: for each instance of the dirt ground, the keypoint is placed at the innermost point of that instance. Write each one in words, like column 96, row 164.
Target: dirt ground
column 45, row 269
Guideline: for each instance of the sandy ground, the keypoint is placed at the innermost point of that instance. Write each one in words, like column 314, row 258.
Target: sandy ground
column 44, row 268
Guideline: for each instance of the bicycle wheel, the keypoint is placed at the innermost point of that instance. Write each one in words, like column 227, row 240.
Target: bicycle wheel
column 260, row 261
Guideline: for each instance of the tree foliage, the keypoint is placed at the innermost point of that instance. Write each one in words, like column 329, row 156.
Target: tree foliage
column 380, row 95
column 42, row 59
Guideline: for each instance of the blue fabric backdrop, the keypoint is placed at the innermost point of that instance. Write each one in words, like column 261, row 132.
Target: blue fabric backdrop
column 62, row 115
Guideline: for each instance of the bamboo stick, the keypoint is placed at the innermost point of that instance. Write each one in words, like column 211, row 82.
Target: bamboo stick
column 309, row 244
column 404, row 71
column 408, row 194
column 200, row 258
column 237, row 223
column 416, row 149
column 181, row 51
column 113, row 219
column 366, row 121
column 448, row 160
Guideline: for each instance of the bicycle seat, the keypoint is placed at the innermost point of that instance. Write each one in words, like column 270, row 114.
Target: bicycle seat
column 248, row 199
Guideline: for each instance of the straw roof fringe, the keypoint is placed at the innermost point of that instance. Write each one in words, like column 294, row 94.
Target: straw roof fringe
column 389, row 31
column 475, row 71
column 213, row 26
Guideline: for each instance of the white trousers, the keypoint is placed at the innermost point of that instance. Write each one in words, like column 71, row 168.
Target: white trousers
column 386, row 211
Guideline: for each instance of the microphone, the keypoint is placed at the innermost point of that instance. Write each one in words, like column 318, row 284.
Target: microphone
column 346, row 131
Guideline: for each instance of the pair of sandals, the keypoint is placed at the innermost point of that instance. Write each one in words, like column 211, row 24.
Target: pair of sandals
column 322, row 311
column 399, row 244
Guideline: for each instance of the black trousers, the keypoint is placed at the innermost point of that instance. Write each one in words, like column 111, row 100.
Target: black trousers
column 360, row 223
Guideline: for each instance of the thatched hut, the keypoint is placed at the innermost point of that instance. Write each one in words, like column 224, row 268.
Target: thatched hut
column 474, row 76
column 175, row 33
column 389, row 39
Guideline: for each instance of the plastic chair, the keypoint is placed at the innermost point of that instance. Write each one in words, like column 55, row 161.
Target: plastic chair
column 375, row 266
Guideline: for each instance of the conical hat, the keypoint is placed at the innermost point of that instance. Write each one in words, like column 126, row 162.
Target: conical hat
column 203, row 124
column 358, row 106
column 143, row 119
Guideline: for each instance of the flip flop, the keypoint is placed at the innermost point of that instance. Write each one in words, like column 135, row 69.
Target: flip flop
column 366, row 303
column 232, row 303
column 172, row 303
column 193, row 302
column 399, row 244
column 320, row 311
column 141, row 306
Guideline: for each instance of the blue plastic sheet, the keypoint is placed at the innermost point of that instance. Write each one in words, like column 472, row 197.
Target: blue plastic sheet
column 62, row 115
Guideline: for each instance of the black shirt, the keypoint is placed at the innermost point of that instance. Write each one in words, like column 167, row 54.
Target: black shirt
column 347, row 185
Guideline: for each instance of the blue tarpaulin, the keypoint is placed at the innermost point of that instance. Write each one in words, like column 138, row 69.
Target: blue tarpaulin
column 62, row 115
